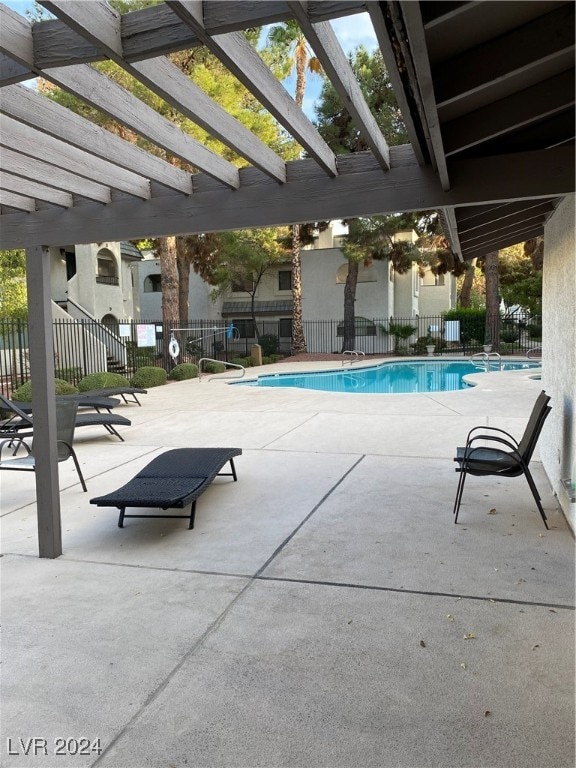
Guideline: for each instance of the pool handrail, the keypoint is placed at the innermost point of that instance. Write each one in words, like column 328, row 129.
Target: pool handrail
column 223, row 362
column 351, row 360
column 486, row 357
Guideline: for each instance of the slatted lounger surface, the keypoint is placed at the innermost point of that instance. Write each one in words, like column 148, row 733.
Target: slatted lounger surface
column 124, row 392
column 171, row 481
column 107, row 420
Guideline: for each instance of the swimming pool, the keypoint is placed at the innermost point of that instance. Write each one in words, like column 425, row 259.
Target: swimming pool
column 385, row 378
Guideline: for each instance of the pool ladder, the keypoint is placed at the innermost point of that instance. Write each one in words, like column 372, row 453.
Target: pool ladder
column 354, row 356
column 483, row 360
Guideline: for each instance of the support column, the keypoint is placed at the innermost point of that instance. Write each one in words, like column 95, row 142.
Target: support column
column 41, row 345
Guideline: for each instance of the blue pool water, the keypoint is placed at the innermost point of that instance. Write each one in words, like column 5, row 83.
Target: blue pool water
column 386, row 378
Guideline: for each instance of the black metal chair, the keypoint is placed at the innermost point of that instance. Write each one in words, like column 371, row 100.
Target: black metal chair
column 65, row 425
column 511, row 459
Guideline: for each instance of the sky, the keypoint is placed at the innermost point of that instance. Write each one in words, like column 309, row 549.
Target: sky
column 351, row 31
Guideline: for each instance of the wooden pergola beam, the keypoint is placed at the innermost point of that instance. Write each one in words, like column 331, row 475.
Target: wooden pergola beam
column 167, row 81
column 336, row 66
column 236, row 53
column 28, row 107
column 309, row 195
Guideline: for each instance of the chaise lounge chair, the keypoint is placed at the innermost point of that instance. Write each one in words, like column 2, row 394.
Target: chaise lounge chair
column 124, row 392
column 84, row 419
column 171, row 481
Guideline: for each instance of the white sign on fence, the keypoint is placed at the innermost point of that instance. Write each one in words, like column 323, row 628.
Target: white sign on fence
column 124, row 330
column 146, row 335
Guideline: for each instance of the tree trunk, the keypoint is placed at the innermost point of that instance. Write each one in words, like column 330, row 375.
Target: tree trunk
column 253, row 313
column 169, row 279
column 349, row 341
column 298, row 340
column 183, row 264
column 492, row 332
column 467, row 283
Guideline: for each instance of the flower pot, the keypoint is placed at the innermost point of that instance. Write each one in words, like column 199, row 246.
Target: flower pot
column 487, row 347
column 430, row 349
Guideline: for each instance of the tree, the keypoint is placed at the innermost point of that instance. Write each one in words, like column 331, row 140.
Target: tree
column 206, row 71
column 200, row 252
column 13, row 303
column 521, row 275
column 492, row 332
column 467, row 284
column 289, row 41
column 245, row 256
column 366, row 237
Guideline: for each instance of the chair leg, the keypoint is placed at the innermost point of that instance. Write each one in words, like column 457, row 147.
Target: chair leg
column 459, row 492
column 536, row 495
column 192, row 513
column 80, row 475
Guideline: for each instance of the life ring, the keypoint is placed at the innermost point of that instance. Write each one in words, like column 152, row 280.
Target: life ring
column 174, row 348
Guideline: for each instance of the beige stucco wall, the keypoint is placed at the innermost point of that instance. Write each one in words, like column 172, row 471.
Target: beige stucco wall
column 323, row 276
column 558, row 440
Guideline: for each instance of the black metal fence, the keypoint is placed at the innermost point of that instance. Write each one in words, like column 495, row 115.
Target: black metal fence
column 83, row 347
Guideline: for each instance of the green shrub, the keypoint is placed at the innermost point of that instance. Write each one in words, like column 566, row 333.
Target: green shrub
column 246, row 362
column 149, row 376
column 270, row 344
column 183, row 371
column 534, row 331
column 509, row 335
column 24, row 392
column 140, row 356
column 210, row 367
column 102, row 380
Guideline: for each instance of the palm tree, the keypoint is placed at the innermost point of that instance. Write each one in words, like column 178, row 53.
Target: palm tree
column 288, row 40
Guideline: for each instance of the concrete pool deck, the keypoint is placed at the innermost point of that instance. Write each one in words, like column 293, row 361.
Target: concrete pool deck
column 325, row 611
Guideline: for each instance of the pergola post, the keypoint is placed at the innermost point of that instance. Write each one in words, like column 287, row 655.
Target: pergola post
column 41, row 346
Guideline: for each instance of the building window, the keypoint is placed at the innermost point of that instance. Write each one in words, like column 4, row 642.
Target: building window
column 245, row 328
column 285, row 280
column 70, row 257
column 153, row 284
column 106, row 268
column 431, row 279
column 362, row 326
column 285, row 327
column 242, row 286
column 366, row 274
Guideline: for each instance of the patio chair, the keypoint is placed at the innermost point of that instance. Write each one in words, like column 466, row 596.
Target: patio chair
column 504, row 456
column 65, row 425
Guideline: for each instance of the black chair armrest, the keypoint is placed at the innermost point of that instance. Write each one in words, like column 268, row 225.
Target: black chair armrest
column 470, row 437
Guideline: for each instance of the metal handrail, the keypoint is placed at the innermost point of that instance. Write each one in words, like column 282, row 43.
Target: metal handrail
column 486, row 357
column 356, row 352
column 223, row 362
column 535, row 353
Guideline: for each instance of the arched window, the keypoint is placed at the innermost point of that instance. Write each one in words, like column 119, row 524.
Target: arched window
column 111, row 322
column 106, row 267
column 153, row 284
